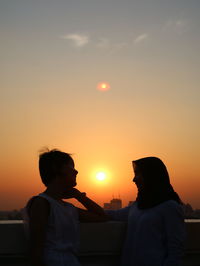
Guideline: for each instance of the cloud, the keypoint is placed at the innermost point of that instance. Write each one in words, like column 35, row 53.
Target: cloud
column 79, row 40
column 141, row 38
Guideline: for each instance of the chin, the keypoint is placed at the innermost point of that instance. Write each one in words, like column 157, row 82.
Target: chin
column 75, row 184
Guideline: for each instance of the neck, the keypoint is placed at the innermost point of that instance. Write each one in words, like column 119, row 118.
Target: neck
column 54, row 192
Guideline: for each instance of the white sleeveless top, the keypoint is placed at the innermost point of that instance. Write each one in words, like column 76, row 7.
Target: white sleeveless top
column 62, row 234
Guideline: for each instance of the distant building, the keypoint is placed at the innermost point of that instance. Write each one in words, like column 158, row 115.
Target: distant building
column 188, row 211
column 197, row 213
column 106, row 206
column 130, row 203
column 11, row 215
column 115, row 204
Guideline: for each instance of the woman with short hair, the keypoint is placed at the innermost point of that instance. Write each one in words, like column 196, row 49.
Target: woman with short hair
column 53, row 224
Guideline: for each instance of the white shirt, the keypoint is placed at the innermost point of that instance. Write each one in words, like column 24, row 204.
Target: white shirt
column 155, row 236
column 62, row 234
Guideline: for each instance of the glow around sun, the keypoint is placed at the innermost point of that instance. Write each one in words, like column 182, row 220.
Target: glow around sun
column 103, row 86
column 100, row 176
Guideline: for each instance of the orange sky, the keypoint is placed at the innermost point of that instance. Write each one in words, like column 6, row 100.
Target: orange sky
column 52, row 59
column 21, row 178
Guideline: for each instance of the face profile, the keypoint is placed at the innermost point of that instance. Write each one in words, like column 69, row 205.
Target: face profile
column 68, row 175
column 138, row 179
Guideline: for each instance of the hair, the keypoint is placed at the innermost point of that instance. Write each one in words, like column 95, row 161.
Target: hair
column 50, row 163
column 157, row 187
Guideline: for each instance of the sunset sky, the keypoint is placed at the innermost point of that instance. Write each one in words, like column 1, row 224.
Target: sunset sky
column 54, row 57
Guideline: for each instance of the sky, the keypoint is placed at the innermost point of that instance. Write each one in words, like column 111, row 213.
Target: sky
column 53, row 56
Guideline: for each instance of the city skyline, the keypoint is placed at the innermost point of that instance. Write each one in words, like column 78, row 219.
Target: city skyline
column 115, row 204
column 122, row 205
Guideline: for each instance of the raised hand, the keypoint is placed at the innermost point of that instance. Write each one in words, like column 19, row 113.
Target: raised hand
column 73, row 193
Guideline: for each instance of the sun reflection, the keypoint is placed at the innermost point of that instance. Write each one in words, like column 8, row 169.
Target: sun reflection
column 103, row 86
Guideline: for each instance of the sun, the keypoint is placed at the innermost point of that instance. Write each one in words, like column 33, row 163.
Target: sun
column 103, row 86
column 100, row 176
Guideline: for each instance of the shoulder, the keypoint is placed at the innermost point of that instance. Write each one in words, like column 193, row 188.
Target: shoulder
column 38, row 201
column 171, row 207
column 38, row 204
column 38, row 213
column 171, row 204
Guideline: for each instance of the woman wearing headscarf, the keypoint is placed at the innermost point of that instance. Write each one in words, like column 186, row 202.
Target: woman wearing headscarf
column 155, row 222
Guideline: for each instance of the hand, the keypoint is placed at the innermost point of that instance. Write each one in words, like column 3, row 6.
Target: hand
column 73, row 193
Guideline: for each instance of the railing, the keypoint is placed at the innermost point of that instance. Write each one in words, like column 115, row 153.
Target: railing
column 101, row 244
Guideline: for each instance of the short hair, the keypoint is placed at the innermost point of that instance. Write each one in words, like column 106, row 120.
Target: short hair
column 50, row 163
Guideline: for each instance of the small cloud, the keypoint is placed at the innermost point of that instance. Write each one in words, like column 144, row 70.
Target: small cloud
column 79, row 40
column 141, row 38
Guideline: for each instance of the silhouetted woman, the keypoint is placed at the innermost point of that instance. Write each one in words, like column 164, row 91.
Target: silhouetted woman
column 156, row 231
column 52, row 223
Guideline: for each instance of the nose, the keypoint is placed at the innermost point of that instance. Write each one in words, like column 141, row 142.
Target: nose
column 76, row 172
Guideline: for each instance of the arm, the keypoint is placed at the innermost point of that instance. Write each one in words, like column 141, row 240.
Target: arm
column 87, row 216
column 175, row 233
column 89, row 204
column 118, row 215
column 94, row 212
column 39, row 212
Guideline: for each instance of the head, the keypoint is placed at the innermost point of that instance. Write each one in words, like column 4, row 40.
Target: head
column 54, row 164
column 150, row 173
column 152, row 181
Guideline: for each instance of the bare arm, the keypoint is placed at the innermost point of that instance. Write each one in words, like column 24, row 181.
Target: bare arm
column 39, row 212
column 94, row 212
column 89, row 204
column 87, row 216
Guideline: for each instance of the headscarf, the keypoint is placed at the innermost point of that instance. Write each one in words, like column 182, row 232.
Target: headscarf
column 157, row 187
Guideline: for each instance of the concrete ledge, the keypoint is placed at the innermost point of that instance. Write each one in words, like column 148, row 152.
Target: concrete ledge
column 101, row 244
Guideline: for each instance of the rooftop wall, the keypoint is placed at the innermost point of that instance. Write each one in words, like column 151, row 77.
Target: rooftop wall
column 101, row 244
